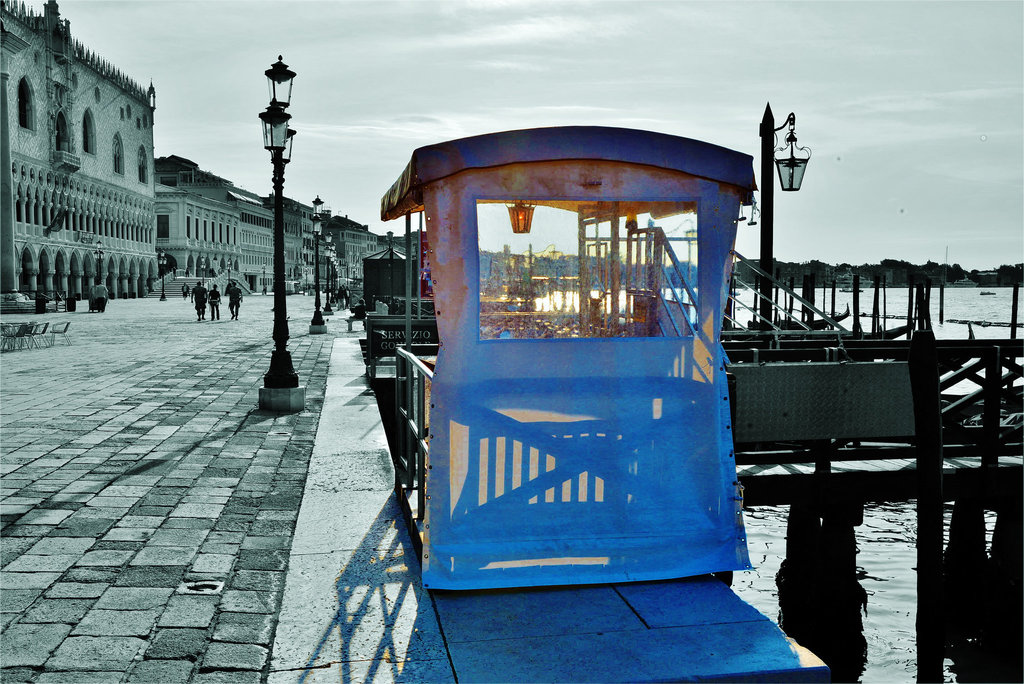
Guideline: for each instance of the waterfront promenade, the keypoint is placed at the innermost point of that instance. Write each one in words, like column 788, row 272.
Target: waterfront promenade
column 159, row 527
column 149, row 507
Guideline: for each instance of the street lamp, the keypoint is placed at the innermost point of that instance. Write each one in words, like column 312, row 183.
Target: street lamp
column 99, row 262
column 280, row 391
column 791, row 173
column 330, row 251
column 317, row 326
column 162, row 259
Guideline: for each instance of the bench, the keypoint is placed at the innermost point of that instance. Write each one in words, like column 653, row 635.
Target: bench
column 352, row 319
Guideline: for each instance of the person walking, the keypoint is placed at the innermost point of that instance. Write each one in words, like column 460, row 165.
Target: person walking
column 184, row 291
column 99, row 296
column 234, row 299
column 199, row 297
column 343, row 296
column 214, row 302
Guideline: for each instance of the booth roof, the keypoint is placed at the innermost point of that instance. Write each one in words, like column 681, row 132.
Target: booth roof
column 434, row 162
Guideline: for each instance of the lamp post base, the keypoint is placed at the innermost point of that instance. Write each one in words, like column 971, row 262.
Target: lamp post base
column 318, row 329
column 283, row 399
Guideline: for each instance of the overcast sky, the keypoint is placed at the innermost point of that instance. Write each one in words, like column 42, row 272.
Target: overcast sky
column 914, row 110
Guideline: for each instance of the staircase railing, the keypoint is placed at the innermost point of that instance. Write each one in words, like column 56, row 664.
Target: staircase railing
column 783, row 321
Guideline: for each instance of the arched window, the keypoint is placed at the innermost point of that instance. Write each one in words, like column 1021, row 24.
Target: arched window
column 143, row 166
column 63, row 140
column 118, row 155
column 88, row 133
column 26, row 110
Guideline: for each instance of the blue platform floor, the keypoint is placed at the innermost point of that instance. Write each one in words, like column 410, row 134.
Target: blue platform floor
column 354, row 609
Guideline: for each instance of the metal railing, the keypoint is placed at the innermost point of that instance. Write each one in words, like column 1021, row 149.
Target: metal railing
column 412, row 380
column 793, row 324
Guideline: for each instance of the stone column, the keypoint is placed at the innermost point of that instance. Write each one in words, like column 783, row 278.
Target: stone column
column 10, row 44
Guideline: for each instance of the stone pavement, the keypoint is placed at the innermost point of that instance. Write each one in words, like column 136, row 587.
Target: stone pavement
column 148, row 505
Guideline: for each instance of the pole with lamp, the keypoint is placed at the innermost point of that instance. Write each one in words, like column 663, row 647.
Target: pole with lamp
column 162, row 260
column 328, row 311
column 791, row 173
column 280, row 391
column 98, row 252
column 317, row 326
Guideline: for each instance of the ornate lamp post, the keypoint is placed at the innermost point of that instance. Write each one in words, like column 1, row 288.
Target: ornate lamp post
column 791, row 174
column 99, row 262
column 317, row 325
column 327, row 281
column 280, row 391
column 162, row 260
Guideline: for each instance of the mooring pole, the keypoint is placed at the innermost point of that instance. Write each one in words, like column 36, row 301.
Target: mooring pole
column 924, row 385
column 767, row 133
column 942, row 302
column 874, row 311
column 1013, row 312
column 857, row 330
column 910, row 306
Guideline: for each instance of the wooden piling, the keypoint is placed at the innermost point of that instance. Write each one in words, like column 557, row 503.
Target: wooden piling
column 924, row 383
column 991, row 400
column 1013, row 311
column 885, row 305
column 942, row 301
column 857, row 330
column 910, row 306
column 833, row 298
column 874, row 311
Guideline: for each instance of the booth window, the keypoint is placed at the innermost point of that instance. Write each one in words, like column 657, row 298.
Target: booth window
column 574, row 269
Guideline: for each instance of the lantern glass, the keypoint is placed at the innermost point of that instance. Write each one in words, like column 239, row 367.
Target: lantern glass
column 275, row 127
column 289, row 136
column 791, row 172
column 521, row 216
column 279, row 82
column 316, row 224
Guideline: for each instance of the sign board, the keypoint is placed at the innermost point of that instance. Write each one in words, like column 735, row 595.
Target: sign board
column 384, row 334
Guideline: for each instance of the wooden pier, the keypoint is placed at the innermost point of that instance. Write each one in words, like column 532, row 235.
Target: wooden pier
column 825, row 426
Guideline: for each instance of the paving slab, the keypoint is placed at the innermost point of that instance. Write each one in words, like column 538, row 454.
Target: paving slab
column 160, row 471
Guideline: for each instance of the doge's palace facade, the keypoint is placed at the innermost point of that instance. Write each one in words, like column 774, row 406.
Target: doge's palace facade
column 78, row 133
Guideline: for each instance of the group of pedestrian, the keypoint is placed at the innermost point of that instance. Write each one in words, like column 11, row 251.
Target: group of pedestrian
column 203, row 298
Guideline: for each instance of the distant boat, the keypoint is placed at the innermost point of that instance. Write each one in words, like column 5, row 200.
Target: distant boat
column 986, row 292
column 963, row 282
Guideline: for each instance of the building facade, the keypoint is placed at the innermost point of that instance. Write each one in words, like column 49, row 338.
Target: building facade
column 210, row 228
column 78, row 139
column 353, row 241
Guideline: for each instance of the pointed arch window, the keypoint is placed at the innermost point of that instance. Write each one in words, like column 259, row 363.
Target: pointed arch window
column 118, row 155
column 62, row 141
column 26, row 109
column 143, row 166
column 88, row 133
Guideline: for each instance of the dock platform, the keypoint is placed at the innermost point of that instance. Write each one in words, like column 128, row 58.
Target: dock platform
column 354, row 608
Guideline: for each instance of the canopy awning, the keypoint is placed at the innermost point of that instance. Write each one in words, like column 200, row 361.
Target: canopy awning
column 434, row 162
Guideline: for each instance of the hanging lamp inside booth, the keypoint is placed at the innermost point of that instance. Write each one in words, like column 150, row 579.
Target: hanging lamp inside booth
column 521, row 216
column 791, row 168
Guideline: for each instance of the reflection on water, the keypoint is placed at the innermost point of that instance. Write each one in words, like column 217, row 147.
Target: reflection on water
column 886, row 561
column 887, row 556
